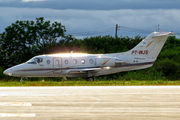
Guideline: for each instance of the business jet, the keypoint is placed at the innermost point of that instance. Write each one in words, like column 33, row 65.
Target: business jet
column 72, row 64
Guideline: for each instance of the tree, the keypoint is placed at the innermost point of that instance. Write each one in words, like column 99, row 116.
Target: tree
column 25, row 39
column 16, row 43
column 47, row 34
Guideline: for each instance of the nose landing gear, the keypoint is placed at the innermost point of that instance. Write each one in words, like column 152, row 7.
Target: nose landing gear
column 21, row 80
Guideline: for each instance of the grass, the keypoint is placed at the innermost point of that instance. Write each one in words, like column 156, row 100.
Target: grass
column 81, row 82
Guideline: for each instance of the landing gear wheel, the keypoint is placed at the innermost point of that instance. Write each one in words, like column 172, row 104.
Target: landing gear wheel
column 90, row 79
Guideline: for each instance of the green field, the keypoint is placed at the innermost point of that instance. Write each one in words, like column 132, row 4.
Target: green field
column 14, row 83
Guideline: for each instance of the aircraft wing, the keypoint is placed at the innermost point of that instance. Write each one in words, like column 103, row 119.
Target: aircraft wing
column 83, row 70
column 92, row 69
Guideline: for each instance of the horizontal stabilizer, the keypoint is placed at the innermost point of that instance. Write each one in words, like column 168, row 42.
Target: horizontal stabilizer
column 163, row 34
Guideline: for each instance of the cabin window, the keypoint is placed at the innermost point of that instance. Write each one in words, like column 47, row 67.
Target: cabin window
column 91, row 61
column 35, row 61
column 75, row 61
column 66, row 61
column 82, row 61
column 48, row 62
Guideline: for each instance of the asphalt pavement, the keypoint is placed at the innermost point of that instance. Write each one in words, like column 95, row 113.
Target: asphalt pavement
column 91, row 103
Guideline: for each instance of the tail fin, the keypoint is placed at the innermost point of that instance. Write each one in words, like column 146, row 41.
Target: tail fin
column 151, row 46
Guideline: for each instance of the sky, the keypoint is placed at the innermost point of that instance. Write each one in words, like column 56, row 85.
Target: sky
column 86, row 18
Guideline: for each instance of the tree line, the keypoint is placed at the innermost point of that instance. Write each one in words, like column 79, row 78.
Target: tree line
column 23, row 40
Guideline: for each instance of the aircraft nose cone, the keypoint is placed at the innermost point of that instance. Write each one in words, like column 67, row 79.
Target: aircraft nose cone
column 7, row 72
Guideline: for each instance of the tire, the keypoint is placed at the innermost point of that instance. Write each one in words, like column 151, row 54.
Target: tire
column 90, row 79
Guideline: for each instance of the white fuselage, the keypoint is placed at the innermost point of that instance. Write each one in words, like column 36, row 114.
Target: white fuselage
column 74, row 65
column 88, row 65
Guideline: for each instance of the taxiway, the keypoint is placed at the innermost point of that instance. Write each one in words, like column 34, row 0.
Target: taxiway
column 97, row 103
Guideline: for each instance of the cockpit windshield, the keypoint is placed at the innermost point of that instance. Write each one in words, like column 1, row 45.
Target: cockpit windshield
column 35, row 61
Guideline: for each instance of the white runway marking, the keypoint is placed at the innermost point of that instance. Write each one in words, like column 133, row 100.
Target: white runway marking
column 16, row 115
column 15, row 104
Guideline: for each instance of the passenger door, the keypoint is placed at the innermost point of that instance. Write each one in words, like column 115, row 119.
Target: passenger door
column 57, row 63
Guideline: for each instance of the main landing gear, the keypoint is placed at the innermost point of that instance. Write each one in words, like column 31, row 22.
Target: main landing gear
column 64, row 78
column 90, row 76
column 90, row 79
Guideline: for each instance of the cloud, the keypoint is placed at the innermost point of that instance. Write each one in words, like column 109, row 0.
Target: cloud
column 32, row 0
column 92, row 4
column 92, row 22
column 7, row 1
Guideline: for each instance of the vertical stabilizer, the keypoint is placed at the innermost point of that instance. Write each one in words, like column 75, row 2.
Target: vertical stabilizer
column 151, row 46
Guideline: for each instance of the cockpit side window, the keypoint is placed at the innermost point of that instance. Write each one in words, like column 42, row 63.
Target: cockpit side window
column 38, row 60
column 35, row 61
column 31, row 61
